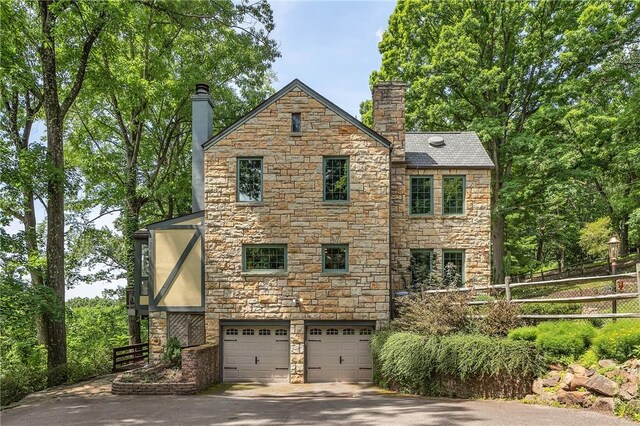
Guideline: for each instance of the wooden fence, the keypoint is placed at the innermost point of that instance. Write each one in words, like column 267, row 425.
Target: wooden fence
column 594, row 267
column 614, row 296
column 125, row 355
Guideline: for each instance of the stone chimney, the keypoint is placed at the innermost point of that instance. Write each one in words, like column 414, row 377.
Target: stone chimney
column 388, row 114
column 201, row 130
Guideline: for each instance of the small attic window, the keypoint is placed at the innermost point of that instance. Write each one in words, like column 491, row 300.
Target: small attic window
column 296, row 122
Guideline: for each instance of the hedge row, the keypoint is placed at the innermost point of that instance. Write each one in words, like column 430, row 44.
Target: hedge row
column 618, row 340
column 420, row 364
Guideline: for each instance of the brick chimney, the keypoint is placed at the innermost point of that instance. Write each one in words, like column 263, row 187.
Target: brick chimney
column 201, row 130
column 388, row 114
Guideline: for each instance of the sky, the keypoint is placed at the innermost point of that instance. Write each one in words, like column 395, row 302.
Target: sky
column 332, row 46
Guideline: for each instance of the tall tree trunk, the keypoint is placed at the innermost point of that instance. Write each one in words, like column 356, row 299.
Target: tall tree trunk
column 54, row 320
column 497, row 225
column 131, row 225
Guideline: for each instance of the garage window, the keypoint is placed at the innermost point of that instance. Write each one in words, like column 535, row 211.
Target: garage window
column 231, row 332
column 348, row 332
column 248, row 332
column 264, row 332
column 281, row 332
column 365, row 331
column 332, row 332
column 315, row 332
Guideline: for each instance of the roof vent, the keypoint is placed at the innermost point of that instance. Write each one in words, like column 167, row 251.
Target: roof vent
column 436, row 141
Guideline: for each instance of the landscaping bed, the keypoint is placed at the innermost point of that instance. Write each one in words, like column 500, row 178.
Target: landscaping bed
column 190, row 372
column 607, row 387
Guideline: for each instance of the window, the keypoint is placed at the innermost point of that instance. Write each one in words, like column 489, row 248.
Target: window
column 421, row 266
column 144, row 270
column 332, row 332
column 335, row 258
column 453, row 194
column 264, row 332
column 231, row 332
column 336, row 178
column 315, row 332
column 296, row 122
column 249, row 187
column 348, row 332
column 248, row 332
column 421, row 196
column 453, row 267
column 264, row 258
column 281, row 332
column 365, row 331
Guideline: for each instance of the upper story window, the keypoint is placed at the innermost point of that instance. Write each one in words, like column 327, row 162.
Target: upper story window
column 296, row 122
column 249, row 180
column 421, row 266
column 335, row 258
column 453, row 267
column 264, row 257
column 453, row 194
column 336, row 178
column 421, row 195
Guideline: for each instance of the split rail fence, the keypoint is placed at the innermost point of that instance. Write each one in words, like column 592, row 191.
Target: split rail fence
column 617, row 291
column 126, row 355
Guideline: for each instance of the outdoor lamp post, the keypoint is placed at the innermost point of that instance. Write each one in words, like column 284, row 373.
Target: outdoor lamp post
column 614, row 249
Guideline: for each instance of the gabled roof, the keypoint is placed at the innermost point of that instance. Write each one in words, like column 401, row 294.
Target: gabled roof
column 168, row 222
column 460, row 150
column 297, row 84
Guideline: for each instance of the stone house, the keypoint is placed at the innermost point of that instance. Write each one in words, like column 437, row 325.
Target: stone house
column 306, row 222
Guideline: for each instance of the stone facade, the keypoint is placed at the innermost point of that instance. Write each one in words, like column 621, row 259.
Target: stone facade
column 157, row 336
column 293, row 212
column 470, row 231
column 375, row 223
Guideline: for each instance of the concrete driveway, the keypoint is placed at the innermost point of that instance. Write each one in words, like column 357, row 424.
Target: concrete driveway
column 256, row 405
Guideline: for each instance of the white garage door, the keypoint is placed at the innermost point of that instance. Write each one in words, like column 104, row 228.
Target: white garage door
column 339, row 353
column 255, row 353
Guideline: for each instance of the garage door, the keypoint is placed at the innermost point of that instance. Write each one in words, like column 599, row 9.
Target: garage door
column 338, row 353
column 255, row 353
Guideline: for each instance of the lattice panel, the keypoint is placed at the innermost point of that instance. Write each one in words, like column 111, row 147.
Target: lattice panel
column 196, row 330
column 188, row 328
column 179, row 327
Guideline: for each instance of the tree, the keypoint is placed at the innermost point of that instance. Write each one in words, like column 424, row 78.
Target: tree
column 136, row 120
column 491, row 66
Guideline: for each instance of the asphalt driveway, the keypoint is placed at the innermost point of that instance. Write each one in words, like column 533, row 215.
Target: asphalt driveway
column 230, row 407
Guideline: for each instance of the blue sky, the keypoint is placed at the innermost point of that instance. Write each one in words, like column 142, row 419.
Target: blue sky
column 332, row 46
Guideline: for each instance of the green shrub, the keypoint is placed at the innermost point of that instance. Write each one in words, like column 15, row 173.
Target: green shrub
column 550, row 308
column 618, row 340
column 173, row 354
column 558, row 339
column 564, row 338
column 410, row 362
column 524, row 333
column 589, row 359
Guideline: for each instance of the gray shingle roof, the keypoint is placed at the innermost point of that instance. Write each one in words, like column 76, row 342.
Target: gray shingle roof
column 460, row 150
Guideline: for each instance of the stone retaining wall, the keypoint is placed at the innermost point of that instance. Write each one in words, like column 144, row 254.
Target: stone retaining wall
column 199, row 365
column 198, row 373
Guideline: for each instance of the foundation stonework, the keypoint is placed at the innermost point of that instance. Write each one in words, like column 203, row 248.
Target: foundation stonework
column 157, row 336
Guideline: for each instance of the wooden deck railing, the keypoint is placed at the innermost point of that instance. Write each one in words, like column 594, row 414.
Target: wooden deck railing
column 125, row 355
